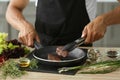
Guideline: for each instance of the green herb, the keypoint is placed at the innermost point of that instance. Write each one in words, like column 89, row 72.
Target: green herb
column 1, row 50
column 97, row 68
column 33, row 64
column 102, row 67
column 3, row 36
column 26, row 50
column 11, row 46
column 64, row 69
column 3, row 45
column 9, row 68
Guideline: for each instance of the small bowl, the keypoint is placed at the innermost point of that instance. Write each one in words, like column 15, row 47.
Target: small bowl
column 112, row 54
column 24, row 62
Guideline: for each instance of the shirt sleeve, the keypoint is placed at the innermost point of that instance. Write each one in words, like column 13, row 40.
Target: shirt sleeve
column 36, row 2
column 91, row 6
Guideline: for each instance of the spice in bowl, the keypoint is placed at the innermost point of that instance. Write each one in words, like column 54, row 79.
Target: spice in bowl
column 112, row 54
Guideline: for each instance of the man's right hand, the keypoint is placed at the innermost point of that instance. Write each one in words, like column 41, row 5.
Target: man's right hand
column 28, row 35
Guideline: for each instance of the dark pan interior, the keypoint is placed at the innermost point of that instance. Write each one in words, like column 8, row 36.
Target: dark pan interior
column 73, row 55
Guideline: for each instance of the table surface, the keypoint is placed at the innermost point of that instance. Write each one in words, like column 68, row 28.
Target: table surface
column 50, row 76
column 47, row 76
column 97, row 0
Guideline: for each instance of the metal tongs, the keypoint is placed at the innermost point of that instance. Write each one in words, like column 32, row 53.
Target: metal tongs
column 37, row 45
column 73, row 45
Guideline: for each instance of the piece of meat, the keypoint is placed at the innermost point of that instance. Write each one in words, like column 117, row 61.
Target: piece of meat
column 60, row 52
column 53, row 57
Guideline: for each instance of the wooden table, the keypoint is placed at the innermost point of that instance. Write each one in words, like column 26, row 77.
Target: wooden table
column 49, row 76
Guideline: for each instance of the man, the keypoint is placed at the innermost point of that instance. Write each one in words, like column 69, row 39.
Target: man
column 58, row 22
column 97, row 28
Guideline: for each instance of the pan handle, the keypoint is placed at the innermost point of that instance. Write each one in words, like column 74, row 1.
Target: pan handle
column 37, row 45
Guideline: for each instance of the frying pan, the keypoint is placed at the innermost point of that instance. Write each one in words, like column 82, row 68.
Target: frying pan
column 76, row 57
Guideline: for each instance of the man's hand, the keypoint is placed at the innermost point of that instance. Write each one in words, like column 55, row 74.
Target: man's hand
column 95, row 30
column 14, row 16
column 28, row 35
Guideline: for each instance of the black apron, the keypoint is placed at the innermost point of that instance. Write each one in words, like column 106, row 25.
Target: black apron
column 59, row 22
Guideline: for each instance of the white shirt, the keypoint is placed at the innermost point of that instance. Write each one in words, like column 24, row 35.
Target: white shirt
column 91, row 6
